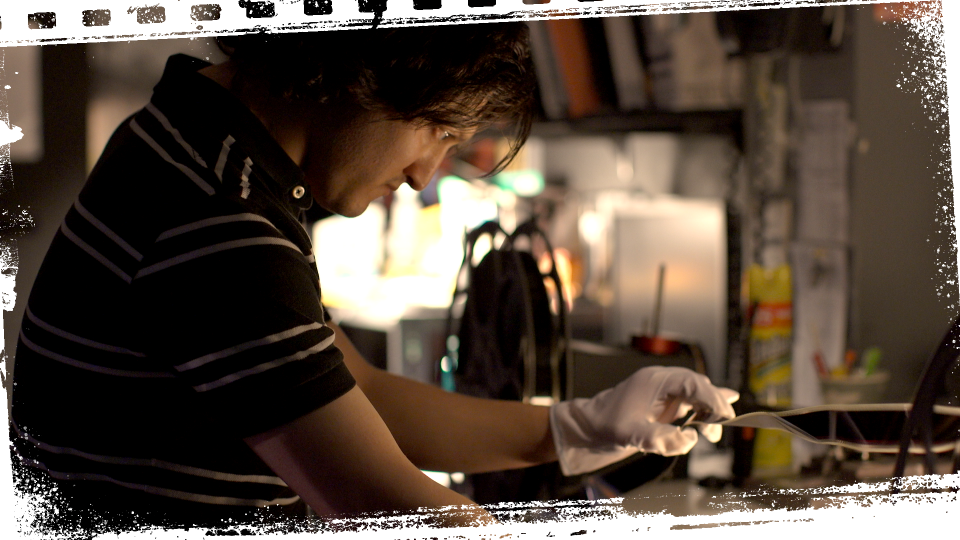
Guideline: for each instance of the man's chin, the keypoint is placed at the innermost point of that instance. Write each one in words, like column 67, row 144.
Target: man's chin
column 348, row 209
column 352, row 210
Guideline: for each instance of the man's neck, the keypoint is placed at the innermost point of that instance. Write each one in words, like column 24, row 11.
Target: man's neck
column 283, row 120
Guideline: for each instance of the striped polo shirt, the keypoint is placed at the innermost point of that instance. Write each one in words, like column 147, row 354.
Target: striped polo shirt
column 176, row 312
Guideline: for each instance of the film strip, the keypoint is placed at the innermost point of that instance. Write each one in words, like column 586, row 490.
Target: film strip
column 52, row 21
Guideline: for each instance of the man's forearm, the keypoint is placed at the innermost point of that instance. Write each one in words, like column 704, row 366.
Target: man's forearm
column 341, row 459
column 443, row 431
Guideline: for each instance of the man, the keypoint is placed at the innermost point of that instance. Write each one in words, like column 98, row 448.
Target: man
column 176, row 366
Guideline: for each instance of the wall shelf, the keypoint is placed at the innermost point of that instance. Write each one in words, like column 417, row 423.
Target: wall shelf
column 718, row 122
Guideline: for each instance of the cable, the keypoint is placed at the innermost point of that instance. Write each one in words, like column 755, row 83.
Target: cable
column 919, row 421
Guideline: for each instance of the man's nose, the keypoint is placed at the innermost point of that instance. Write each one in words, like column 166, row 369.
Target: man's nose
column 420, row 172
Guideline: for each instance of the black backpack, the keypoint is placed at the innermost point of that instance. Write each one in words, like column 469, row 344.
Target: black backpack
column 512, row 342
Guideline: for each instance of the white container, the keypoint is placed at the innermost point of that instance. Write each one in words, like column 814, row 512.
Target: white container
column 855, row 389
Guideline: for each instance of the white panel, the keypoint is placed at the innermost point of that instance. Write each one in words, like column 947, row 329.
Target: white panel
column 689, row 236
column 654, row 158
column 587, row 163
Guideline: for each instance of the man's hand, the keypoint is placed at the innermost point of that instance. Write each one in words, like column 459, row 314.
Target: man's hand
column 635, row 416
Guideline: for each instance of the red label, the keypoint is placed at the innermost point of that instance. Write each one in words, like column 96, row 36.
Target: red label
column 773, row 315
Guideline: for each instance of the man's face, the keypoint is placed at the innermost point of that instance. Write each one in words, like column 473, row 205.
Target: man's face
column 353, row 161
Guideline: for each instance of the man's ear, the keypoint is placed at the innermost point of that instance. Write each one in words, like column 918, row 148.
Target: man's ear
column 227, row 44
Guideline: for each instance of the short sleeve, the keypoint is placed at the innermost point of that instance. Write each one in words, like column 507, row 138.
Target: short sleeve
column 235, row 314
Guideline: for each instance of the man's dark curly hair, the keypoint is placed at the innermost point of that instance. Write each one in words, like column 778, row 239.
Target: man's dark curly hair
column 461, row 76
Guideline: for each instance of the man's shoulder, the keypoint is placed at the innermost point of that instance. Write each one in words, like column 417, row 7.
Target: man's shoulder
column 149, row 174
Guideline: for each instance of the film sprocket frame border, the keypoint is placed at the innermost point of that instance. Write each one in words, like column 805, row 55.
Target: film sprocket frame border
column 78, row 21
column 58, row 21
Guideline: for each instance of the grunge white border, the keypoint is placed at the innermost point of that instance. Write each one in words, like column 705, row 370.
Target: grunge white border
column 174, row 18
column 927, row 505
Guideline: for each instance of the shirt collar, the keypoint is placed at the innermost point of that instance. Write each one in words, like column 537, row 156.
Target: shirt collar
column 206, row 114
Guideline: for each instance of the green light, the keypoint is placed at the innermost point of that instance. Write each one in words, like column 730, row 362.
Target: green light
column 525, row 183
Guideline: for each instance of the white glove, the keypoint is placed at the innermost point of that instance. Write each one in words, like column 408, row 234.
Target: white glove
column 635, row 416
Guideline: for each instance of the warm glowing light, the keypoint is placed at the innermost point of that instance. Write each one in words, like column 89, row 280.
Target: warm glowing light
column 565, row 270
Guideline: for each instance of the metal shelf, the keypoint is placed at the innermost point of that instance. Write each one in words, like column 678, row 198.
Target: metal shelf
column 719, row 122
